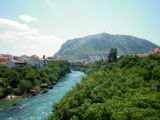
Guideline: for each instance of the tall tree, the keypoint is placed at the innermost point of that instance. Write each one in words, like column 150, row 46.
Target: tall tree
column 112, row 56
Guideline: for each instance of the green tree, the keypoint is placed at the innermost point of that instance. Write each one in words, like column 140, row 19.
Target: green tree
column 25, row 85
column 112, row 56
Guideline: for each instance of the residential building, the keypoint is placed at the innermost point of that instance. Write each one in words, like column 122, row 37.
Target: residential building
column 11, row 61
column 3, row 60
column 156, row 51
column 34, row 61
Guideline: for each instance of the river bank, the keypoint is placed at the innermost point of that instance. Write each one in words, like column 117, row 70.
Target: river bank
column 12, row 101
column 3, row 100
column 26, row 80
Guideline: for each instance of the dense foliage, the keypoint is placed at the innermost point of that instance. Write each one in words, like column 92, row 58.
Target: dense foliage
column 21, row 80
column 100, row 44
column 128, row 89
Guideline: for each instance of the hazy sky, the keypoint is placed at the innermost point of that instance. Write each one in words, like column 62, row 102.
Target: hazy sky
column 41, row 26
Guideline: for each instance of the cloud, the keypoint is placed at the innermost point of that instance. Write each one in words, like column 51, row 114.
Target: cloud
column 27, row 18
column 18, row 38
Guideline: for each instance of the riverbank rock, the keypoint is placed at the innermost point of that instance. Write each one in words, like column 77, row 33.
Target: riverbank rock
column 16, row 104
column 44, row 85
column 33, row 92
column 44, row 91
column 53, row 83
column 11, row 96
column 50, row 87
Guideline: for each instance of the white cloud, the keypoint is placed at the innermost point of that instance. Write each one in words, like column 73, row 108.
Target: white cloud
column 26, row 40
column 27, row 18
column 12, row 25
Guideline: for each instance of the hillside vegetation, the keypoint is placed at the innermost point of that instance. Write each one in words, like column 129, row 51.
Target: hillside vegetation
column 100, row 44
column 128, row 89
column 23, row 80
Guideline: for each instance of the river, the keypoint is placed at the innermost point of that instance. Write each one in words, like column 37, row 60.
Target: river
column 38, row 107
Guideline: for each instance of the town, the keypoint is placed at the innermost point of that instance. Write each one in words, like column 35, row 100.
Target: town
column 92, row 59
column 11, row 61
column 35, row 61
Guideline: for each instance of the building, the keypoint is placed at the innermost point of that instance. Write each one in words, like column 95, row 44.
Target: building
column 156, row 51
column 11, row 61
column 34, row 61
column 16, row 61
column 3, row 60
column 95, row 58
column 6, row 60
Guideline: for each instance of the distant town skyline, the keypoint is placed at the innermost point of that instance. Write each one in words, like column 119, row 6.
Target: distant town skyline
column 41, row 26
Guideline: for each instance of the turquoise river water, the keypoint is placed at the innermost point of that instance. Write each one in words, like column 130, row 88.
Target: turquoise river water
column 38, row 107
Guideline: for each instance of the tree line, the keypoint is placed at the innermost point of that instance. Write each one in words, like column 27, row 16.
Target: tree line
column 26, row 79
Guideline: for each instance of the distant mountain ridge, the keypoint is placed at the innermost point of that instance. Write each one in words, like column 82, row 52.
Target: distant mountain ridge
column 100, row 44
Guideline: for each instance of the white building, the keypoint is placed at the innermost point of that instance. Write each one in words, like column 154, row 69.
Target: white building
column 35, row 61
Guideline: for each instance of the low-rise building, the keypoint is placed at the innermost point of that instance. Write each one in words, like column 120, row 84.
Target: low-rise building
column 156, row 51
column 34, row 61
column 15, row 61
column 9, row 61
column 3, row 60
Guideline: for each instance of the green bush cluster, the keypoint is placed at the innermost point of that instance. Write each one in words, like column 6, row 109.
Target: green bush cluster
column 128, row 89
column 20, row 80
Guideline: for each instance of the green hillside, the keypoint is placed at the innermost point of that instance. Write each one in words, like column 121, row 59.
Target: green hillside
column 100, row 44
column 128, row 89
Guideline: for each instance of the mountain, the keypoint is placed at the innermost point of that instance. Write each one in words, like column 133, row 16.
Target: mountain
column 100, row 44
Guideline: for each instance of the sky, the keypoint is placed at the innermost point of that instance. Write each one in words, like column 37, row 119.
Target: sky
column 41, row 26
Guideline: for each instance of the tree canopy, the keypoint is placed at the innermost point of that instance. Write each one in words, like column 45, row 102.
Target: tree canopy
column 20, row 80
column 128, row 89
